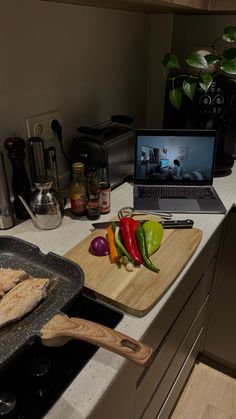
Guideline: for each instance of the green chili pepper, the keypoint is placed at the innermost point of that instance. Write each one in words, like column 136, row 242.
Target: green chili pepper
column 153, row 233
column 140, row 234
column 124, row 256
column 120, row 254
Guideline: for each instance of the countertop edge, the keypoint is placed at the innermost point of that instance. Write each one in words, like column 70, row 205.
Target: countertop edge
column 82, row 396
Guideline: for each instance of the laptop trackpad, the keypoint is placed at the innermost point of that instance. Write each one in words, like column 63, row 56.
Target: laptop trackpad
column 178, row 205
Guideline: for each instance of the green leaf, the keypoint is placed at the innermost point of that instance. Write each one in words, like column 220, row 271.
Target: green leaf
column 229, row 54
column 211, row 58
column 205, row 81
column 229, row 67
column 170, row 61
column 229, row 34
column 189, row 89
column 197, row 60
column 176, row 98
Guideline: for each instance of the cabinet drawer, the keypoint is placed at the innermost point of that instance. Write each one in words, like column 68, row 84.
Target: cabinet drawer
column 162, row 390
column 198, row 274
column 149, row 380
column 192, row 316
column 180, row 381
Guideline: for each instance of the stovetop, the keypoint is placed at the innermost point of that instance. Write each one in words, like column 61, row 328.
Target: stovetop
column 34, row 381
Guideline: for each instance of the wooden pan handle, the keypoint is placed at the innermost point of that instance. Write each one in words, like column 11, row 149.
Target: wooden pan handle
column 61, row 328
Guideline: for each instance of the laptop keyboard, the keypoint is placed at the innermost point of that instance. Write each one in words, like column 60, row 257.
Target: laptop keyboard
column 176, row 192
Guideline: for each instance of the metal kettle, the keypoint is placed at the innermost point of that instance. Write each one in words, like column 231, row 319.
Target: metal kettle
column 46, row 207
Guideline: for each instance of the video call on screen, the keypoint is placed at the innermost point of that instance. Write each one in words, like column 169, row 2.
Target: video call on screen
column 174, row 158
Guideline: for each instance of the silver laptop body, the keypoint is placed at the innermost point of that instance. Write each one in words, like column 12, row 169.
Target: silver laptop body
column 174, row 171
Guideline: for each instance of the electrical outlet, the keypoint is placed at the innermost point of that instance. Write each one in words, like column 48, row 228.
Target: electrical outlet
column 40, row 125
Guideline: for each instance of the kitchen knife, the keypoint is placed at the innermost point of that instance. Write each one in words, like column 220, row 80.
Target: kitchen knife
column 166, row 224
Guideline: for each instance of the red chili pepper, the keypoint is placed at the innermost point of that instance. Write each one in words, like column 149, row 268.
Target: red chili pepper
column 128, row 227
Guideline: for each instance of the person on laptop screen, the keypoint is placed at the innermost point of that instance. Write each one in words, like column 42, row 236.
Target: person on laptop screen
column 176, row 171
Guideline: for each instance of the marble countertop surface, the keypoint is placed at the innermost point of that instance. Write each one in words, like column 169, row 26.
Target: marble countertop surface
column 85, row 391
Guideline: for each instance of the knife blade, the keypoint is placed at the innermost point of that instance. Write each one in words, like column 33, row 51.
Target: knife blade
column 166, row 224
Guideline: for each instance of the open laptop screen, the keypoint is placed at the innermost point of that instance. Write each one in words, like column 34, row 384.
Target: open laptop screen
column 175, row 156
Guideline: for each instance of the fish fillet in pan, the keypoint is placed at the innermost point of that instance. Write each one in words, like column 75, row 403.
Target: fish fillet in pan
column 23, row 298
column 9, row 278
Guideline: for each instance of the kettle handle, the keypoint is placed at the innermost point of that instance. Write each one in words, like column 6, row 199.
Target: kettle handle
column 27, row 208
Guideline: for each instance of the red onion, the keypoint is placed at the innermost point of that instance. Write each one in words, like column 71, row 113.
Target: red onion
column 99, row 246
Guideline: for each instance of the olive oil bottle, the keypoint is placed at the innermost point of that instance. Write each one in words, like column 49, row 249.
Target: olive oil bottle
column 78, row 190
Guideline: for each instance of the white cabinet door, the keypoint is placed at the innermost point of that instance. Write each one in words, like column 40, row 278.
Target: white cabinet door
column 220, row 340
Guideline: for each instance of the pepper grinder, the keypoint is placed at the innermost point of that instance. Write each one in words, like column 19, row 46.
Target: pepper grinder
column 20, row 182
column 6, row 213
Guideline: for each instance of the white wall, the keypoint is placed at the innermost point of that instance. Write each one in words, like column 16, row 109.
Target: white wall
column 86, row 62
column 199, row 31
column 159, row 43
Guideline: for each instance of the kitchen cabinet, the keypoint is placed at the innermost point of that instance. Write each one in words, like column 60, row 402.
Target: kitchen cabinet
column 161, row 6
column 220, row 340
column 222, row 6
column 176, row 335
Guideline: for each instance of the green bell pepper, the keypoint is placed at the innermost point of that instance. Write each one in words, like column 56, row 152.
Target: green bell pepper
column 140, row 234
column 153, row 233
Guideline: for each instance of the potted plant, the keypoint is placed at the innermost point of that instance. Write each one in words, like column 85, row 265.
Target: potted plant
column 201, row 68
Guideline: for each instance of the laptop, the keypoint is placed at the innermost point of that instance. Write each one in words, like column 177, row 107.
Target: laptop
column 174, row 171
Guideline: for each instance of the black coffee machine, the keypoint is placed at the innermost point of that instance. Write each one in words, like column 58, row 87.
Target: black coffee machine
column 216, row 110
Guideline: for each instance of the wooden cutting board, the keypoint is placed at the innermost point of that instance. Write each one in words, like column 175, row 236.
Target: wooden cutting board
column 138, row 291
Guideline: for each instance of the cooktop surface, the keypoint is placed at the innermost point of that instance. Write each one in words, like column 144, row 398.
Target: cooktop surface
column 34, row 381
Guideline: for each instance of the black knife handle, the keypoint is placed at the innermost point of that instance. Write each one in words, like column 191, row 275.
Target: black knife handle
column 177, row 223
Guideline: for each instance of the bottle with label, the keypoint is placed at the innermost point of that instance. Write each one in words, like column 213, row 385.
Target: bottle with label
column 78, row 190
column 104, row 191
column 93, row 209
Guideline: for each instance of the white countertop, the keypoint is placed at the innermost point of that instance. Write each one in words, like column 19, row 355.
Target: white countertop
column 88, row 387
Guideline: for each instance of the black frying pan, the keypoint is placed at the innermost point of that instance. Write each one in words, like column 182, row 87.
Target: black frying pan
column 47, row 320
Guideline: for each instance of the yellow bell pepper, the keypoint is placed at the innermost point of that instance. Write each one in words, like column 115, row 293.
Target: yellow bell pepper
column 153, row 233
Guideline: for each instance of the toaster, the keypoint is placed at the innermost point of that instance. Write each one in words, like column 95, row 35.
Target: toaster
column 110, row 144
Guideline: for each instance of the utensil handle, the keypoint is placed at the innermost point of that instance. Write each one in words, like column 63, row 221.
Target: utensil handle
column 61, row 328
